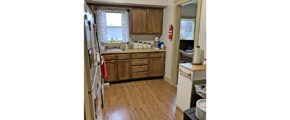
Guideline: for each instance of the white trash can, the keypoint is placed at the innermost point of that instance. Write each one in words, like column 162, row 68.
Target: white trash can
column 200, row 111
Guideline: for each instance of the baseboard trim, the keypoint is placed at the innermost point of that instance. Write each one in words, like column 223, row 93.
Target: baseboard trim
column 178, row 108
column 169, row 81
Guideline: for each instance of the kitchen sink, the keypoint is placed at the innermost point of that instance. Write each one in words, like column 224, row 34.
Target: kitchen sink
column 115, row 50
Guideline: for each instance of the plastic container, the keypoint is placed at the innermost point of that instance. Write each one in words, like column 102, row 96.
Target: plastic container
column 200, row 109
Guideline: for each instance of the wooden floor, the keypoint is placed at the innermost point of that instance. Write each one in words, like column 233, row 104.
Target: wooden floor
column 141, row 100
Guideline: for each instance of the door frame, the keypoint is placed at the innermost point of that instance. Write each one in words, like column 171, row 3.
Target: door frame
column 176, row 33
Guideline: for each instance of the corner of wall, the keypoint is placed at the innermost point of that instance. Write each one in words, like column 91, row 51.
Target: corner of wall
column 167, row 20
column 169, row 81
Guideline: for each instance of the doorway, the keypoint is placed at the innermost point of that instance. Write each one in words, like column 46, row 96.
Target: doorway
column 180, row 14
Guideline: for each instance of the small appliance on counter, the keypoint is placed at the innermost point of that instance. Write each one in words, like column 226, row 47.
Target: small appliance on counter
column 197, row 56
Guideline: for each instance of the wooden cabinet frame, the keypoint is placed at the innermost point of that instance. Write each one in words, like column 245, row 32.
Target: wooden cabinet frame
column 147, row 19
column 141, row 69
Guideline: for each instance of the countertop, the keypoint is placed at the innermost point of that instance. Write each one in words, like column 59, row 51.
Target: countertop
column 134, row 51
column 193, row 67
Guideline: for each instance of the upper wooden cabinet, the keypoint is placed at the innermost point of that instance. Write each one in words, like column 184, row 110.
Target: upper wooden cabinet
column 154, row 21
column 146, row 21
column 138, row 21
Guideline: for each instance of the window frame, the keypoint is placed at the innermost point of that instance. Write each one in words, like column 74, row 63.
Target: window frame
column 108, row 40
column 193, row 29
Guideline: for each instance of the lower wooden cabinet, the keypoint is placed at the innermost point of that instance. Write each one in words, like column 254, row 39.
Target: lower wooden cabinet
column 140, row 68
column 139, row 75
column 111, row 70
column 156, row 67
column 134, row 65
column 124, row 69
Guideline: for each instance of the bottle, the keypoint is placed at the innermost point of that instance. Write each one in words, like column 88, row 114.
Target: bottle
column 162, row 46
column 156, row 42
column 127, row 46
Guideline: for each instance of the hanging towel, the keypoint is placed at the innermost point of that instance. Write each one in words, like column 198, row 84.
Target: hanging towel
column 104, row 68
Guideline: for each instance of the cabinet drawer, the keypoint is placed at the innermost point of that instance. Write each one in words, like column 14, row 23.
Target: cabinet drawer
column 109, row 57
column 123, row 56
column 139, row 55
column 140, row 68
column 159, row 54
column 139, row 61
column 139, row 75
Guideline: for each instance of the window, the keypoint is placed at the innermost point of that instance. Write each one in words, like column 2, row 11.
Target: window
column 187, row 29
column 113, row 26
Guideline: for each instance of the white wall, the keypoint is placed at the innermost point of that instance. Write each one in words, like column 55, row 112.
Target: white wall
column 141, row 2
column 189, row 10
column 168, row 19
column 202, row 29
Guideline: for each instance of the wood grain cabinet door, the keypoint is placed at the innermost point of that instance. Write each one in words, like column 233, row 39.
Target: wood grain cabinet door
column 111, row 70
column 138, row 21
column 156, row 67
column 154, row 21
column 124, row 69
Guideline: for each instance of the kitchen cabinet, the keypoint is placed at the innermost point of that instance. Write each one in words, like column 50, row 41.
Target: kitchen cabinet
column 124, row 69
column 146, row 21
column 154, row 21
column 127, row 66
column 156, row 67
column 138, row 21
column 111, row 70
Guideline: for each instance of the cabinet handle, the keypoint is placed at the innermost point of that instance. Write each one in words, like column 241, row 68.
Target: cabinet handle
column 185, row 74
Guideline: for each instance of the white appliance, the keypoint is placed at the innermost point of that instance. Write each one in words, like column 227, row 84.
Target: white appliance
column 185, row 85
column 93, row 82
column 184, row 88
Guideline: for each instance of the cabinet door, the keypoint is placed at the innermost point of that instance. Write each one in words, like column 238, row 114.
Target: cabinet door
column 138, row 21
column 156, row 67
column 124, row 69
column 154, row 21
column 111, row 70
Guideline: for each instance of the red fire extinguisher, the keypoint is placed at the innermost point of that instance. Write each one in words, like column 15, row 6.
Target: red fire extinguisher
column 170, row 32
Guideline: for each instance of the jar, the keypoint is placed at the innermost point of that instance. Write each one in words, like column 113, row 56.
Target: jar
column 135, row 45
column 149, row 45
column 144, row 44
column 140, row 45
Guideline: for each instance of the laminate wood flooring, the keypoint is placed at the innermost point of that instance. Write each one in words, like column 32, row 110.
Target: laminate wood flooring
column 141, row 100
